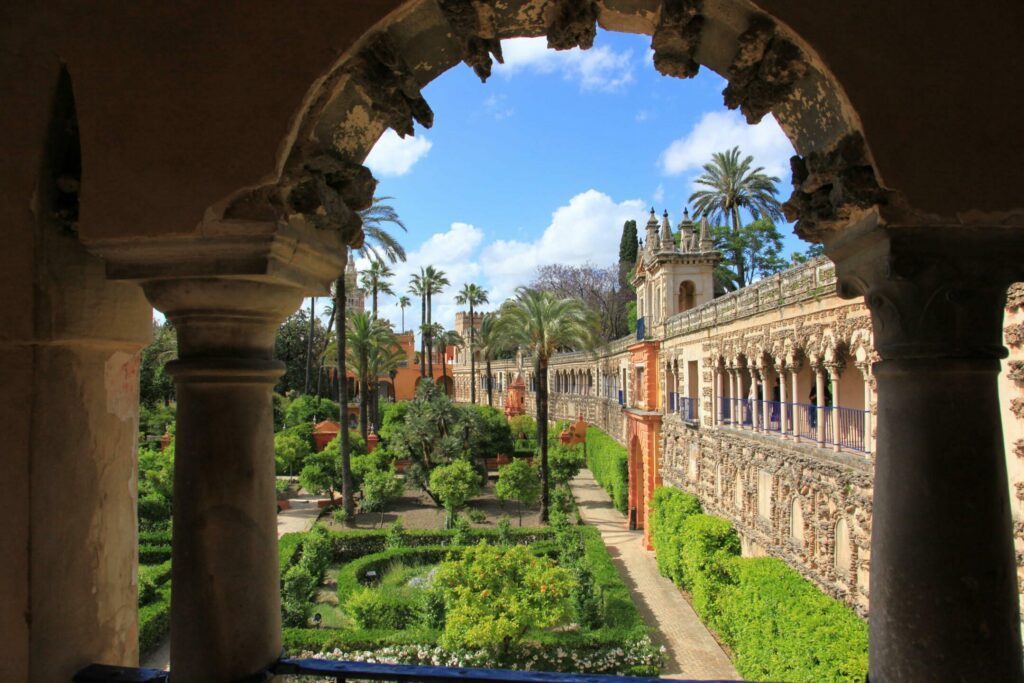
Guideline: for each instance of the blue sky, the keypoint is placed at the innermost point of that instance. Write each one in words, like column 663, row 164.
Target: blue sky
column 544, row 162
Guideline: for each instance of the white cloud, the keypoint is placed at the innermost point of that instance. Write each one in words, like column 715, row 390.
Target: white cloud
column 586, row 229
column 395, row 156
column 496, row 105
column 643, row 116
column 721, row 131
column 659, row 194
column 597, row 69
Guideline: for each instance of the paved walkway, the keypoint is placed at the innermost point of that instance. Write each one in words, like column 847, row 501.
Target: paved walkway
column 692, row 650
column 299, row 517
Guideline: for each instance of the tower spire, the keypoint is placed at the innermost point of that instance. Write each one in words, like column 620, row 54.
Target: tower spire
column 705, row 235
column 667, row 243
column 652, row 233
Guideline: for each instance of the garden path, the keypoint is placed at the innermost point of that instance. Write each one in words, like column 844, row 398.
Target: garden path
column 692, row 651
column 299, row 517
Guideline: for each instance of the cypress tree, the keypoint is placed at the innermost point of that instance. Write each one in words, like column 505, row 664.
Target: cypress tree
column 628, row 247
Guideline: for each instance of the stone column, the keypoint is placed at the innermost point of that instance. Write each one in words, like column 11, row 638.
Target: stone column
column 785, row 417
column 793, row 372
column 944, row 603
column 225, row 615
column 227, row 289
column 718, row 397
column 868, row 427
column 834, row 372
column 755, row 412
column 819, row 411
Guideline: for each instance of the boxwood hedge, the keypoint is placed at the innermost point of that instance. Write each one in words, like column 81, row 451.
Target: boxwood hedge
column 779, row 625
column 608, row 461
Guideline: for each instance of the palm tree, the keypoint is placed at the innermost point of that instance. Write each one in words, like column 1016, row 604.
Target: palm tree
column 434, row 282
column 375, row 279
column 543, row 324
column 473, row 295
column 491, row 341
column 381, row 245
column 309, row 343
column 384, row 361
column 369, row 342
column 734, row 185
column 403, row 303
column 417, row 288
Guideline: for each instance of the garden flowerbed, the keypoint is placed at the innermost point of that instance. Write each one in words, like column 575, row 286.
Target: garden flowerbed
column 533, row 598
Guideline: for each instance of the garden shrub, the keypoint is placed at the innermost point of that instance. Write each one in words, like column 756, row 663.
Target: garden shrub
column 564, row 462
column 454, row 484
column 372, row 608
column 395, row 537
column 154, row 621
column 608, row 461
column 288, row 548
column 308, row 409
column 670, row 507
column 154, row 554
column 519, row 482
column 476, row 516
column 155, row 537
column 317, row 553
column 298, row 587
column 778, row 625
column 523, row 427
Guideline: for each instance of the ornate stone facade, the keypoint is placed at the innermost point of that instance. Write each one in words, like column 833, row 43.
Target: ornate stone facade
column 792, row 491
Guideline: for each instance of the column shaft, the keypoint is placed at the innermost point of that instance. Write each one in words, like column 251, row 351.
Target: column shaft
column 943, row 576
column 819, row 411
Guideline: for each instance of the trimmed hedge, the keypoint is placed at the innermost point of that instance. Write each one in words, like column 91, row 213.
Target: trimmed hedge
column 353, row 574
column 608, row 461
column 779, row 625
column 154, row 621
column 154, row 554
column 161, row 537
column 618, row 612
column 350, row 545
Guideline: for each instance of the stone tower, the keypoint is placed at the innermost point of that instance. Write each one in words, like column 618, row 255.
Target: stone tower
column 670, row 277
column 355, row 297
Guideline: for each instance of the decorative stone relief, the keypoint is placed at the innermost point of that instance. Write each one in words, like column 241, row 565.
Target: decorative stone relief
column 573, row 24
column 1017, row 408
column 381, row 73
column 764, row 70
column 829, row 187
column 1018, row 448
column 676, row 38
column 1014, row 334
column 1015, row 297
column 1015, row 370
column 475, row 49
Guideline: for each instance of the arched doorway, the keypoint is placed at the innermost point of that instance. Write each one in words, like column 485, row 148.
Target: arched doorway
column 448, row 385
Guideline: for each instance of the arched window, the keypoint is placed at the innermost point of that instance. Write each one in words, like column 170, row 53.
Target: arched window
column 796, row 522
column 687, row 296
column 843, row 549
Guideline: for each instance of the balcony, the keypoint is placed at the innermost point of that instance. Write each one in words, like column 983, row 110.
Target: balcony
column 829, row 426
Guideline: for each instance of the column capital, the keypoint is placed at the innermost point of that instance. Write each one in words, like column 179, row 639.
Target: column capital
column 933, row 292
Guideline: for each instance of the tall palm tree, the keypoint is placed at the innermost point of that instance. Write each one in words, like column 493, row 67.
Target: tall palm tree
column 543, row 324
column 473, row 295
column 491, row 340
column 376, row 280
column 417, row 288
column 309, row 344
column 384, row 361
column 434, row 282
column 369, row 342
column 734, row 185
column 403, row 303
column 379, row 244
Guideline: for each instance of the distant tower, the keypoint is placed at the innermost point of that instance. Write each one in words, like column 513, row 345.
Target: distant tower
column 355, row 298
column 671, row 279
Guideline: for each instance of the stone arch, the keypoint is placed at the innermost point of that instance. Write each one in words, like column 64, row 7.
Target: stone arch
column 447, row 384
column 686, row 297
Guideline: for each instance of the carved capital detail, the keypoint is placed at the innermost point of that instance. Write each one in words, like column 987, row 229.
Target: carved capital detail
column 764, row 70
column 676, row 38
column 1015, row 297
column 1014, row 334
column 573, row 23
column 830, row 188
column 474, row 48
column 932, row 292
column 1015, row 370
column 327, row 190
column 388, row 83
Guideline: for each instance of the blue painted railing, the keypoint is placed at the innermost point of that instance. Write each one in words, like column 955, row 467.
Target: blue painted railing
column 688, row 408
column 845, row 427
column 345, row 671
column 640, row 329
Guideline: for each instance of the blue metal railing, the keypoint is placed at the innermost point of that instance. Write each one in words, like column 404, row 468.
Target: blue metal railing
column 640, row 329
column 622, row 399
column 688, row 408
column 672, row 401
column 346, row 671
column 826, row 425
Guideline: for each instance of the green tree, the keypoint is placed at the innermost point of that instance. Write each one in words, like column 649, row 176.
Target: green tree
column 155, row 386
column 376, row 280
column 380, row 487
column 758, row 246
column 813, row 251
column 733, row 185
column 493, row 595
column 486, row 431
column 629, row 246
column 370, row 341
column 491, row 342
column 544, row 325
column 381, row 245
column 565, row 463
column 434, row 282
column 290, row 451
column 429, row 434
column 454, row 484
column 291, row 346
column 519, row 482
column 472, row 295
column 309, row 409
column 417, row 288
